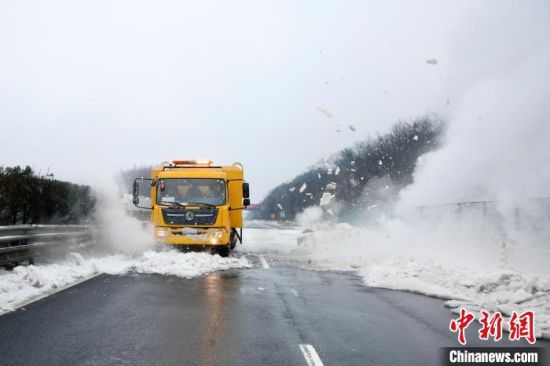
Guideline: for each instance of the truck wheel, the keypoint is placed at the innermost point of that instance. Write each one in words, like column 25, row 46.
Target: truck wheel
column 224, row 251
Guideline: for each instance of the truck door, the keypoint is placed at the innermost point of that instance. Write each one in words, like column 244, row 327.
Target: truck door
column 235, row 195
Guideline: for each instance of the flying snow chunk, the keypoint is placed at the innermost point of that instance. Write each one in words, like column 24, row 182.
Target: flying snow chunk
column 329, row 171
column 380, row 162
column 280, row 206
column 318, row 175
column 415, row 138
column 303, row 188
column 431, row 61
column 331, row 185
column 292, row 189
column 337, row 171
column 325, row 112
column 326, row 198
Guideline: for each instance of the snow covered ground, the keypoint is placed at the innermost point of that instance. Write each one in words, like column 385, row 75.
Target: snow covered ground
column 474, row 275
column 25, row 283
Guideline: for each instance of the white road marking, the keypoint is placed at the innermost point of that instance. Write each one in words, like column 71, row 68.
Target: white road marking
column 294, row 292
column 264, row 262
column 40, row 297
column 311, row 356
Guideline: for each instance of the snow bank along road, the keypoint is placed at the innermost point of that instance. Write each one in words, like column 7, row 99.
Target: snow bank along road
column 281, row 315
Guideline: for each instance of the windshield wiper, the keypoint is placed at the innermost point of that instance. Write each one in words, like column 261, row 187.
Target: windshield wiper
column 171, row 203
column 185, row 204
column 200, row 204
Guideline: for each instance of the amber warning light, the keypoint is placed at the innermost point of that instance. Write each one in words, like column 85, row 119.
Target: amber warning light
column 192, row 162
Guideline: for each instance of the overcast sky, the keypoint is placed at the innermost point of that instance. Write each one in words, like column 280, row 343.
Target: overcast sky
column 89, row 87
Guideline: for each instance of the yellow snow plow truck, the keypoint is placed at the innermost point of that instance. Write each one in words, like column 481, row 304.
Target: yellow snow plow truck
column 195, row 204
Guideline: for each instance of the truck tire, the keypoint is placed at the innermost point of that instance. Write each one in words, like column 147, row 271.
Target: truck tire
column 224, row 251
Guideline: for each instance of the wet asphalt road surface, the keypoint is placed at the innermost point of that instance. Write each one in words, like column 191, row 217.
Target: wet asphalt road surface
column 255, row 316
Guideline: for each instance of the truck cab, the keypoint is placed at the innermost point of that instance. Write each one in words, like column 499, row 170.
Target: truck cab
column 195, row 204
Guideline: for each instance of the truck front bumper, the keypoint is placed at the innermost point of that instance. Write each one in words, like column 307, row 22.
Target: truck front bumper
column 191, row 236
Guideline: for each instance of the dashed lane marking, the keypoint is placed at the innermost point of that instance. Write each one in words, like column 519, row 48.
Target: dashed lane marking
column 311, row 356
column 264, row 262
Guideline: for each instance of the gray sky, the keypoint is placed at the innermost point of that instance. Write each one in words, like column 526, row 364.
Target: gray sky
column 499, row 130
column 89, row 87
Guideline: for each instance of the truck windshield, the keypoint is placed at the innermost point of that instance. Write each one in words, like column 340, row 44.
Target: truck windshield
column 191, row 190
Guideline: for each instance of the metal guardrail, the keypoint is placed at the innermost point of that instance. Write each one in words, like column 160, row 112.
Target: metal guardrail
column 24, row 242
column 500, row 220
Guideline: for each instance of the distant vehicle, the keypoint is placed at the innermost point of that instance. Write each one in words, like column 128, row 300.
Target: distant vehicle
column 196, row 204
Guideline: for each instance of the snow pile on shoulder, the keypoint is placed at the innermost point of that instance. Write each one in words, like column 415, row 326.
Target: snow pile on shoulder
column 468, row 272
column 25, row 283
column 491, row 290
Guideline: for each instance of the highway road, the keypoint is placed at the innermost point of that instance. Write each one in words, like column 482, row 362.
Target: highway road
column 277, row 313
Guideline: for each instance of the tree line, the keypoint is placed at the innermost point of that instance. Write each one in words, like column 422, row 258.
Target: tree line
column 30, row 198
column 358, row 178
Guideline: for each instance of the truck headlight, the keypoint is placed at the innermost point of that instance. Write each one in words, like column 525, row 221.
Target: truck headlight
column 216, row 234
column 163, row 233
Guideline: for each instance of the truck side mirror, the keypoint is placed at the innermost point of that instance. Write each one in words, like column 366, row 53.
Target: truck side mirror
column 136, row 193
column 246, row 190
column 246, row 202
